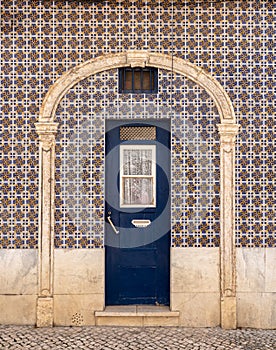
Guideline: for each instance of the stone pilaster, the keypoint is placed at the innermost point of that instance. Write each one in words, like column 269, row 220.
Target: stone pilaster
column 46, row 132
column 228, row 134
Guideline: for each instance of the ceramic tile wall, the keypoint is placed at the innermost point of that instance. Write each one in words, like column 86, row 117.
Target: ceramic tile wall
column 80, row 157
column 233, row 40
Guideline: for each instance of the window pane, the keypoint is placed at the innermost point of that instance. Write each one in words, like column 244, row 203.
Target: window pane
column 138, row 191
column 137, row 80
column 146, row 81
column 137, row 175
column 128, row 80
column 137, row 162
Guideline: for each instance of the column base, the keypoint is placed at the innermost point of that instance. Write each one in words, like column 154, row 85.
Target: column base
column 228, row 313
column 44, row 312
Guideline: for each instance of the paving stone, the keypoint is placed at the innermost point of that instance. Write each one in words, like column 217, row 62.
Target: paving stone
column 124, row 338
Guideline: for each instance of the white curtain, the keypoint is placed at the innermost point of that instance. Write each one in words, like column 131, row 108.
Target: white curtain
column 138, row 162
column 137, row 190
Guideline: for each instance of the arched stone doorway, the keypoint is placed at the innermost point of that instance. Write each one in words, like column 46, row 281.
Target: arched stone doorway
column 47, row 128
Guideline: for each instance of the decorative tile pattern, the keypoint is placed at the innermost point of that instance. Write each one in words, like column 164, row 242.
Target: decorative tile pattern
column 80, row 157
column 233, row 40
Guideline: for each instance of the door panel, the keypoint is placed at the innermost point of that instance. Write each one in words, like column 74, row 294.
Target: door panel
column 138, row 208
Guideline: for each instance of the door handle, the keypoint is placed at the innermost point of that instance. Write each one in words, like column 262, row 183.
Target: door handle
column 112, row 225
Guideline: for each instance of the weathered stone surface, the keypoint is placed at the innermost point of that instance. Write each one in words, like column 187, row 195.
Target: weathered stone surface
column 44, row 312
column 251, row 272
column 195, row 270
column 228, row 312
column 18, row 309
column 197, row 309
column 270, row 273
column 79, row 271
column 137, row 315
column 76, row 310
column 257, row 310
column 18, row 271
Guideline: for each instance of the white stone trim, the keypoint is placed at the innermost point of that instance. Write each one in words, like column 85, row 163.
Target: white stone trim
column 46, row 129
column 133, row 59
column 46, row 132
column 227, row 225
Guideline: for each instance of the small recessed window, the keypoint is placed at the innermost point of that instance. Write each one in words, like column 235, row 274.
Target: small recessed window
column 138, row 80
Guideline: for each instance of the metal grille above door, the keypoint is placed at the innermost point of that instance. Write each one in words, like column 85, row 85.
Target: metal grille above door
column 137, row 133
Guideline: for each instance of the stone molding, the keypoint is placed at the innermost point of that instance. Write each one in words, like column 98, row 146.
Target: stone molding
column 46, row 132
column 227, row 224
column 136, row 58
column 228, row 129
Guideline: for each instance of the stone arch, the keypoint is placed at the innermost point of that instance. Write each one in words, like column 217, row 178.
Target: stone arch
column 137, row 59
column 47, row 128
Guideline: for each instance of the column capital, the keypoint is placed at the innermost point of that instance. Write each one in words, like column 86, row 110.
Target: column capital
column 46, row 132
column 46, row 128
column 228, row 132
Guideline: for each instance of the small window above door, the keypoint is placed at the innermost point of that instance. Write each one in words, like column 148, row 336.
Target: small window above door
column 138, row 80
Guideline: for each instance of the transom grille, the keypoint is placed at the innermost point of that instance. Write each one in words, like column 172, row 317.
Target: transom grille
column 137, row 133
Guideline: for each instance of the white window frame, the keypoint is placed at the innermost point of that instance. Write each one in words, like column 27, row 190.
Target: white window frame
column 152, row 176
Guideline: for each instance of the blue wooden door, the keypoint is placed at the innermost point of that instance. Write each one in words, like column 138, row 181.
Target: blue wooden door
column 137, row 211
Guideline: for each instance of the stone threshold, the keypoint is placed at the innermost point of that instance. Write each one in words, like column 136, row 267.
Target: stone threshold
column 137, row 315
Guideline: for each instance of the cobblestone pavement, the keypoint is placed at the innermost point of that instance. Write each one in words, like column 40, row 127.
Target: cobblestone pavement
column 14, row 337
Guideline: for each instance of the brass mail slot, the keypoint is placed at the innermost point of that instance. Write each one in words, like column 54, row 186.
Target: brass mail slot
column 141, row 222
